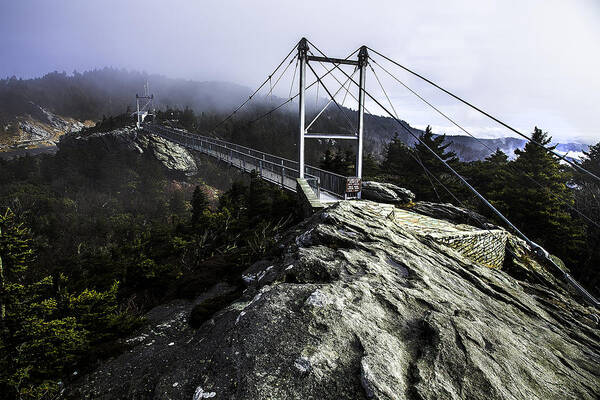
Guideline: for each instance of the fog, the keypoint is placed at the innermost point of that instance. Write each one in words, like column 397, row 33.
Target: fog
column 530, row 62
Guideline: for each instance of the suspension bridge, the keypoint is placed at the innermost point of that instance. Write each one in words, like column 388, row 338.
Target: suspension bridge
column 324, row 186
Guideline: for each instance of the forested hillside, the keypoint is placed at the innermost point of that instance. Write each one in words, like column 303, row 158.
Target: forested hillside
column 102, row 93
column 548, row 201
column 94, row 236
column 108, row 91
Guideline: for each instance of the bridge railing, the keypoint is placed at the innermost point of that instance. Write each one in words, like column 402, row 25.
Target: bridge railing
column 278, row 170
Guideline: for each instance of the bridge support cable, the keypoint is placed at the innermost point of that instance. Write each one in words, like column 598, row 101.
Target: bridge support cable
column 383, row 90
column 293, row 78
column 549, row 150
column 271, row 87
column 256, row 91
column 536, row 248
column 514, row 168
column 329, row 102
column 328, row 72
column 332, row 97
column 353, row 188
column 347, row 91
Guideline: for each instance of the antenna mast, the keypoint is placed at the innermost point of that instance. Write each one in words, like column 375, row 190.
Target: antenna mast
column 144, row 104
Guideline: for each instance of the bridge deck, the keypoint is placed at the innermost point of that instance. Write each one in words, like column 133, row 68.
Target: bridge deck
column 328, row 186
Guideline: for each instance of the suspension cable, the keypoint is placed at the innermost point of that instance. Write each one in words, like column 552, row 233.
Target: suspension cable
column 280, row 76
column 523, row 173
column 348, row 88
column 256, row 91
column 383, row 89
column 537, row 249
column 329, row 102
column 550, row 150
column 293, row 78
column 332, row 98
column 297, row 94
column 317, row 95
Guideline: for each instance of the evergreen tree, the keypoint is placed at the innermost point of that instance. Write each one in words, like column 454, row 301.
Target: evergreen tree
column 199, row 205
column 259, row 197
column 45, row 330
column 397, row 161
column 592, row 160
column 491, row 178
column 543, row 214
column 370, row 167
column 439, row 145
column 408, row 167
column 587, row 194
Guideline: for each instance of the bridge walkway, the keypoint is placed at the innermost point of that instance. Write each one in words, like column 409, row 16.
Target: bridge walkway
column 328, row 186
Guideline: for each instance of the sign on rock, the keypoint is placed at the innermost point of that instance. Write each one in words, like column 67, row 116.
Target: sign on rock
column 353, row 184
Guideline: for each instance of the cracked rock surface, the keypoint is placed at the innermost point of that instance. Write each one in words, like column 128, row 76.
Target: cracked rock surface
column 356, row 306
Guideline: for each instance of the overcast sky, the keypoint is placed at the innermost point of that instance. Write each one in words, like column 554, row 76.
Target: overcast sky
column 530, row 62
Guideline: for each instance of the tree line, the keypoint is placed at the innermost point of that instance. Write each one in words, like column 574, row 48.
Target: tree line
column 543, row 197
column 94, row 236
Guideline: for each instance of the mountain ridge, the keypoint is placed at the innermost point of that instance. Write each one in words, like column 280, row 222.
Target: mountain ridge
column 103, row 92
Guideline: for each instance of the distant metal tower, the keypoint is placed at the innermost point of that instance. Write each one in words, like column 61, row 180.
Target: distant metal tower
column 353, row 183
column 145, row 105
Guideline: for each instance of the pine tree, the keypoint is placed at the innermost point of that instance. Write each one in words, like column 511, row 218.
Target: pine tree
column 587, row 195
column 199, row 205
column 397, row 160
column 45, row 330
column 543, row 214
column 370, row 167
column 492, row 177
column 418, row 169
column 15, row 255
column 439, row 145
column 259, row 197
column 592, row 160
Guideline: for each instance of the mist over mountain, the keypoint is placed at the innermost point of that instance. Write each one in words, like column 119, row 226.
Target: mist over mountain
column 109, row 91
column 105, row 92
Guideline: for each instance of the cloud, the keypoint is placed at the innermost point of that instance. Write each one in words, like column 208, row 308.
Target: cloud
column 532, row 62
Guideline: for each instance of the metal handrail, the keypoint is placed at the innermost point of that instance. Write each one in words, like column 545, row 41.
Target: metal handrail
column 330, row 182
column 215, row 143
column 320, row 179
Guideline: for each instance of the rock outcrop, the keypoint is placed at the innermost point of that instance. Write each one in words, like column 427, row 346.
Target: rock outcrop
column 452, row 213
column 173, row 156
column 37, row 128
column 360, row 304
column 386, row 193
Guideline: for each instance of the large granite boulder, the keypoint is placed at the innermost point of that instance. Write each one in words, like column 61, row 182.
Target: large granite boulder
column 386, row 193
column 173, row 156
column 358, row 305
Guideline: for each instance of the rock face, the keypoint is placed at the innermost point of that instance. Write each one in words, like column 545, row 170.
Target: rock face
column 358, row 305
column 173, row 156
column 37, row 128
column 386, row 193
column 450, row 212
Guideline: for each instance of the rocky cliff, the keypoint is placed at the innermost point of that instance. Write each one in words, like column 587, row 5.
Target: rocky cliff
column 362, row 301
column 174, row 157
column 38, row 128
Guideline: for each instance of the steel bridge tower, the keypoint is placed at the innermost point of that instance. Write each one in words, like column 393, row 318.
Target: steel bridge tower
column 145, row 105
column 354, row 183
